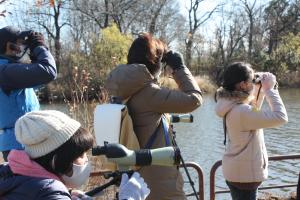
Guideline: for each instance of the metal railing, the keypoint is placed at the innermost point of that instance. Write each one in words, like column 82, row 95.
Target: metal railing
column 214, row 168
column 199, row 171
column 194, row 165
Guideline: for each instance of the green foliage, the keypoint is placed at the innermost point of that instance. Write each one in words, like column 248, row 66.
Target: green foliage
column 286, row 56
column 84, row 72
column 289, row 51
column 111, row 49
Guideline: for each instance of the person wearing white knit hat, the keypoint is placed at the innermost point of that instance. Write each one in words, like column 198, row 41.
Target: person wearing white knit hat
column 54, row 159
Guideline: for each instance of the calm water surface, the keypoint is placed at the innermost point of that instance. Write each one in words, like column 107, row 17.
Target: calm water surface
column 202, row 142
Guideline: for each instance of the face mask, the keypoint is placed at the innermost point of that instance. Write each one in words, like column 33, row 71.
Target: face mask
column 80, row 175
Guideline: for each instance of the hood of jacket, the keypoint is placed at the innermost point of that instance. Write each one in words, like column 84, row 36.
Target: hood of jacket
column 126, row 80
column 19, row 163
column 226, row 100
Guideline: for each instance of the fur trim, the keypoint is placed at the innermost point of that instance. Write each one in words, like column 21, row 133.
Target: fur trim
column 240, row 96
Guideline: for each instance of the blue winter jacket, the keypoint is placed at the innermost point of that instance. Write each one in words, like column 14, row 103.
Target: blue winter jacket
column 18, row 187
column 17, row 95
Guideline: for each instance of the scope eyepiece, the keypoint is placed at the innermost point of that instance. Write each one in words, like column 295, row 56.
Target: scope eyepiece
column 110, row 150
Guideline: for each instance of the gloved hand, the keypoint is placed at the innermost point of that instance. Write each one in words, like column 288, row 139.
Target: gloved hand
column 133, row 189
column 174, row 60
column 35, row 39
column 79, row 195
column 268, row 81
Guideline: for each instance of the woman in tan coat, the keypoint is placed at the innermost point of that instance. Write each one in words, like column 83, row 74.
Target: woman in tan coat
column 245, row 161
column 136, row 82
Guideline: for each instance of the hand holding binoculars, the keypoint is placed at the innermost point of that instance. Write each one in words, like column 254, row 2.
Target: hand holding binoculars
column 266, row 79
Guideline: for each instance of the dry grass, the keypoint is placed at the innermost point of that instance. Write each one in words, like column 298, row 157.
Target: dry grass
column 274, row 196
column 290, row 78
column 204, row 82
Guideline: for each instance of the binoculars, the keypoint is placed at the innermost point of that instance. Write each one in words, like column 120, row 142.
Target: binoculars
column 257, row 79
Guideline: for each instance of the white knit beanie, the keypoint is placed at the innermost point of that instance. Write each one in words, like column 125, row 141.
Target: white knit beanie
column 41, row 132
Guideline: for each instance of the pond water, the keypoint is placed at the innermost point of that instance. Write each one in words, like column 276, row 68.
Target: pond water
column 202, row 142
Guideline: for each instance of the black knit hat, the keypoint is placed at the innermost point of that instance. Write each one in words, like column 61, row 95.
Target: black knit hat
column 10, row 34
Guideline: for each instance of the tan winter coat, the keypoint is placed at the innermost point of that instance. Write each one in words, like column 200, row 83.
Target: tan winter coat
column 245, row 159
column 148, row 101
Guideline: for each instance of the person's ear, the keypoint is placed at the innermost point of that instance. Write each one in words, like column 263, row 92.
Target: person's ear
column 244, row 85
column 241, row 85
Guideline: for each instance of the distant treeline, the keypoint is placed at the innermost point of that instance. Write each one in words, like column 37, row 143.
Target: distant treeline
column 88, row 38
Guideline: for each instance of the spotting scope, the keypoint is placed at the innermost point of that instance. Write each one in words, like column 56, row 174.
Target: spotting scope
column 186, row 118
column 118, row 153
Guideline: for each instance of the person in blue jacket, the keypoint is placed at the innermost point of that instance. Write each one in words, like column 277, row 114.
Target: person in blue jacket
column 18, row 79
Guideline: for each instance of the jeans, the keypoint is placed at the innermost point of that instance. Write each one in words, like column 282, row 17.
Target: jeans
column 5, row 154
column 238, row 194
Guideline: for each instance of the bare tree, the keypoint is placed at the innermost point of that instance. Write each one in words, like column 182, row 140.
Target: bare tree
column 49, row 16
column 3, row 12
column 104, row 12
column 156, row 10
column 194, row 23
column 251, row 12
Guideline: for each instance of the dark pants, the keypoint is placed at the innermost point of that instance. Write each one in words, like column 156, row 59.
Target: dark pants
column 238, row 194
column 5, row 154
column 298, row 188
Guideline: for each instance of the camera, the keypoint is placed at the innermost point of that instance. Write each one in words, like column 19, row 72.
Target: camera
column 257, row 79
column 24, row 35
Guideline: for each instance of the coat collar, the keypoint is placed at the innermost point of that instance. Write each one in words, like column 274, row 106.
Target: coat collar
column 238, row 96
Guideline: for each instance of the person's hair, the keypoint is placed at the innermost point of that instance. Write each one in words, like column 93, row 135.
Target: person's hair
column 66, row 154
column 148, row 51
column 236, row 73
column 7, row 34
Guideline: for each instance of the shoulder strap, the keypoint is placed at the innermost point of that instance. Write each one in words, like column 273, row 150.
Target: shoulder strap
column 224, row 127
column 153, row 136
column 224, row 124
column 155, row 133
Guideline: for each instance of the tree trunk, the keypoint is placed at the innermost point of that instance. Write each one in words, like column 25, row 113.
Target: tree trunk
column 188, row 58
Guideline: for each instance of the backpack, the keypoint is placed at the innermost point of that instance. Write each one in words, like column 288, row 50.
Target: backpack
column 113, row 124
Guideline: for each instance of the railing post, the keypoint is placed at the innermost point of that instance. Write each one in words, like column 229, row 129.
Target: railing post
column 271, row 158
column 200, row 178
column 212, row 179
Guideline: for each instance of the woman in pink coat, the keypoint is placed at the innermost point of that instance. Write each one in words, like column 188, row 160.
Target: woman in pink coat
column 245, row 161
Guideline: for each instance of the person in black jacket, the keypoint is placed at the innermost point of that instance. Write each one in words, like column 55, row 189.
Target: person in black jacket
column 18, row 79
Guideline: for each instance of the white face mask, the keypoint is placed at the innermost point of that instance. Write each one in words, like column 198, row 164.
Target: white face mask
column 79, row 177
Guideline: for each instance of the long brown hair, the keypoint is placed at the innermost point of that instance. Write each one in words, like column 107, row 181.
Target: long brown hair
column 148, row 51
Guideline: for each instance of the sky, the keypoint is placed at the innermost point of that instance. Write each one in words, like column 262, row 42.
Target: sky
column 205, row 6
